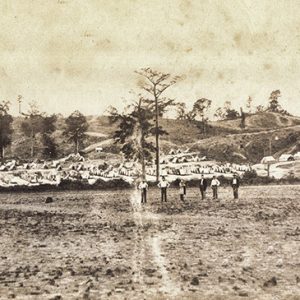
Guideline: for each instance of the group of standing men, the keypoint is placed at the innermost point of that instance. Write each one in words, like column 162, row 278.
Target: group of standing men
column 215, row 183
column 203, row 184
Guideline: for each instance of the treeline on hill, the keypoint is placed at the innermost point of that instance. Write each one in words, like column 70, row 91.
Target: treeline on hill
column 38, row 135
column 138, row 129
column 201, row 107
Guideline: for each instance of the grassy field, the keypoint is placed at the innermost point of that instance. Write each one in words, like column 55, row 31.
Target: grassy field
column 105, row 245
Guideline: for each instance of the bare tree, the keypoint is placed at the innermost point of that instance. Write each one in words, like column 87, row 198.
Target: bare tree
column 156, row 84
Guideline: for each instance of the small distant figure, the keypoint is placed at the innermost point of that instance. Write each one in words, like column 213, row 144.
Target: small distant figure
column 143, row 187
column 235, row 183
column 215, row 183
column 203, row 186
column 182, row 189
column 163, row 185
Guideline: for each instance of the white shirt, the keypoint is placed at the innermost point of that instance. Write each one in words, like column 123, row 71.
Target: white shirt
column 143, row 185
column 215, row 182
column 163, row 184
column 234, row 181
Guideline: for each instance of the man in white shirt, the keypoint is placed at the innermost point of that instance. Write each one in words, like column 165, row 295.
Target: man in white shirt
column 215, row 183
column 143, row 187
column 163, row 185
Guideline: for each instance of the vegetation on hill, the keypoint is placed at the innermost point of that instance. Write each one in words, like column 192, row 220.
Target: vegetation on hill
column 236, row 136
column 223, row 139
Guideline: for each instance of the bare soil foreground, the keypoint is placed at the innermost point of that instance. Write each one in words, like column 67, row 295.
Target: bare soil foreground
column 105, row 245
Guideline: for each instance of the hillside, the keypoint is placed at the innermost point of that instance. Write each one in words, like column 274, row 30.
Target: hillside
column 260, row 121
column 224, row 140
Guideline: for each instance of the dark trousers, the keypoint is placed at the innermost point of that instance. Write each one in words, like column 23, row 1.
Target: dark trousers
column 202, row 191
column 182, row 197
column 235, row 192
column 163, row 194
column 144, row 195
column 215, row 191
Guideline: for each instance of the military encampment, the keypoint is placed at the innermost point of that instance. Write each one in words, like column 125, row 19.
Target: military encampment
column 150, row 150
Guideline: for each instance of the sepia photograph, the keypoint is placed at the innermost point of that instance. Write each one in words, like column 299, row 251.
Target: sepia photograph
column 150, row 149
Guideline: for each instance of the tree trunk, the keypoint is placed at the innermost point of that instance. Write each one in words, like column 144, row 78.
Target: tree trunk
column 1, row 152
column 143, row 166
column 203, row 126
column 142, row 155
column 141, row 141
column 157, row 139
column 32, row 146
column 76, row 146
column 31, row 139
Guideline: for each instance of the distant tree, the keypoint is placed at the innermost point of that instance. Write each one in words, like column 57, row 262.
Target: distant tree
column 226, row 112
column 201, row 106
column 232, row 114
column 6, row 130
column 183, row 113
column 181, row 110
column 220, row 114
column 260, row 108
column 134, row 127
column 249, row 104
column 156, row 84
column 274, row 105
column 32, row 125
column 76, row 127
column 48, row 128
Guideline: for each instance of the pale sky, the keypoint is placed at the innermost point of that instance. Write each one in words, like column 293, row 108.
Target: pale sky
column 81, row 54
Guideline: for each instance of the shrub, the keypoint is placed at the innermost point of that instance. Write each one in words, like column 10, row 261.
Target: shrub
column 250, row 175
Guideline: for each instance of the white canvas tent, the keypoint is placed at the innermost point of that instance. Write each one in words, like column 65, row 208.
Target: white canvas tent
column 286, row 157
column 175, row 160
column 172, row 152
column 268, row 160
column 297, row 156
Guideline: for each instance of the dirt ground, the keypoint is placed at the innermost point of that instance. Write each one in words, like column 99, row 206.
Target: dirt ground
column 105, row 245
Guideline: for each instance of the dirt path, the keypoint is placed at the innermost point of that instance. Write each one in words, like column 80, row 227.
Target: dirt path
column 143, row 217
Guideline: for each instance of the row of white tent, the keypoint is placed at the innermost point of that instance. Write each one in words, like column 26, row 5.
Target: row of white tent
column 282, row 158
